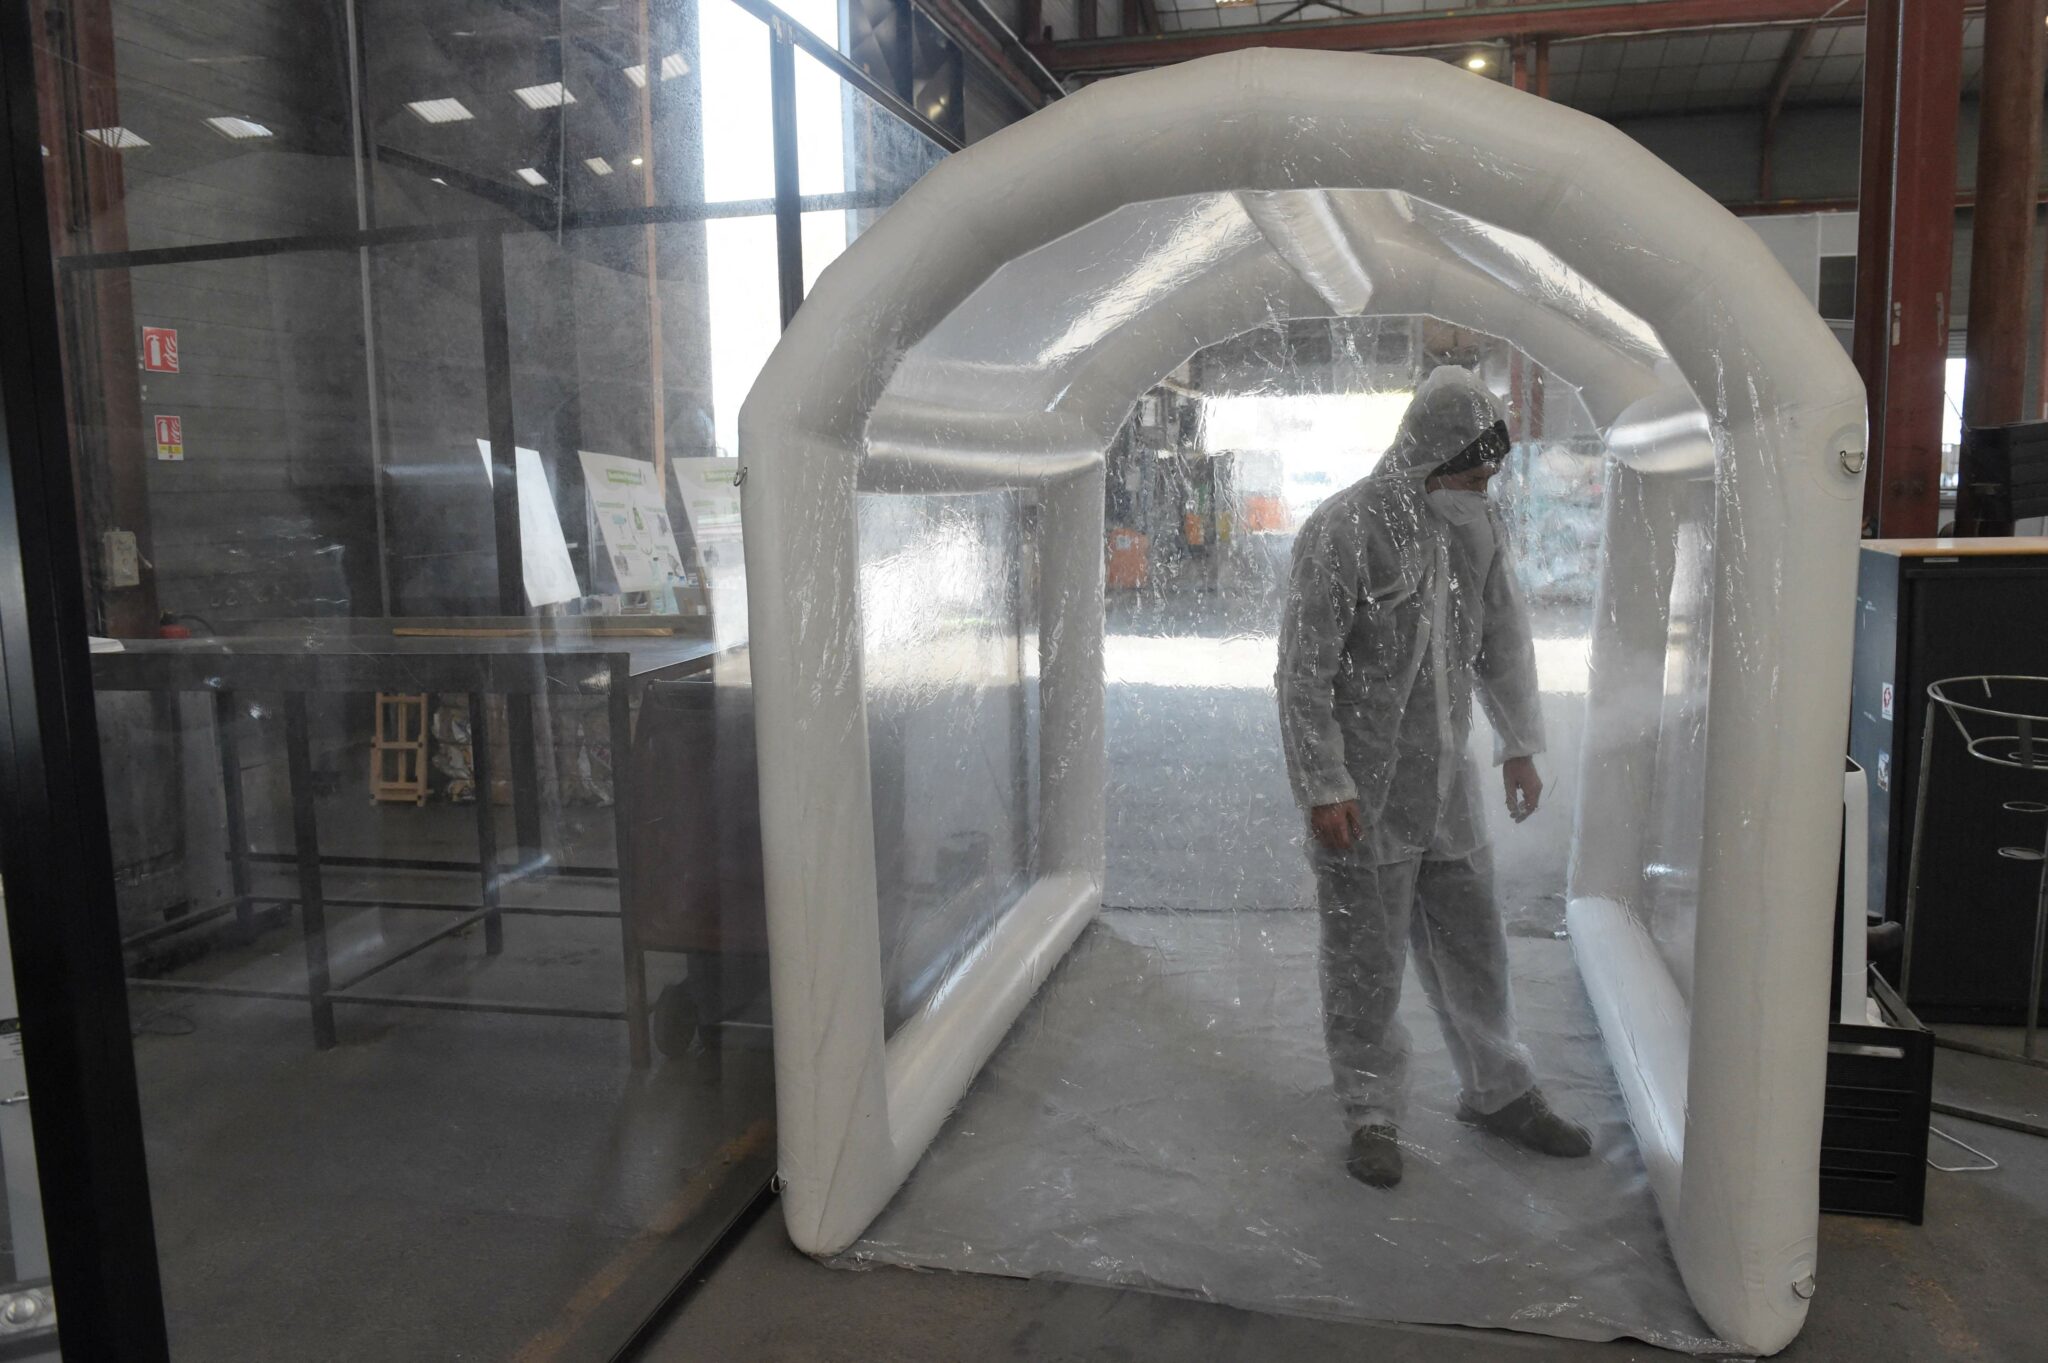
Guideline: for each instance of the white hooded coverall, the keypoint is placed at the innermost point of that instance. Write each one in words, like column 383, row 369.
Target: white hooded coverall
column 1393, row 615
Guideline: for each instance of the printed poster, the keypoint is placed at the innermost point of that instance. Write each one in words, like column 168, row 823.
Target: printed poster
column 711, row 508
column 632, row 520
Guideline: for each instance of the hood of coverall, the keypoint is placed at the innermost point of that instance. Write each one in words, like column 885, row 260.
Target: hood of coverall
column 1451, row 409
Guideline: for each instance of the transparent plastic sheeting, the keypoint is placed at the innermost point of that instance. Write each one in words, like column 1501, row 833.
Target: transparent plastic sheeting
column 1253, row 260
column 1161, row 1118
column 1162, row 1114
column 950, row 726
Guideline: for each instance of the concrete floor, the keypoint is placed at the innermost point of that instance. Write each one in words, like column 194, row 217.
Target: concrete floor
column 1966, row 1285
column 1961, row 1286
column 440, row 1184
column 451, row 1185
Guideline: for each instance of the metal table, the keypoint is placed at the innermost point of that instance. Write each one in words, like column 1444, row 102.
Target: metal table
column 2002, row 720
column 476, row 657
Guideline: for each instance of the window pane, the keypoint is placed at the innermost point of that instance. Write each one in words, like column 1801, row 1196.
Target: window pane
column 27, row 1303
column 739, row 146
column 439, row 877
column 853, row 155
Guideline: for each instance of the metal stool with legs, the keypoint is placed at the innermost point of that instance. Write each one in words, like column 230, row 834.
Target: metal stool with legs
column 2003, row 721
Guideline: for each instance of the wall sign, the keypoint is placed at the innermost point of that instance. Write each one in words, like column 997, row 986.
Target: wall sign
column 170, row 438
column 160, row 350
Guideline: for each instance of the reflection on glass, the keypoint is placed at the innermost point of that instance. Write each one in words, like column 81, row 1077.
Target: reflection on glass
column 855, row 159
column 746, row 315
column 821, row 17
column 28, row 1309
column 423, row 691
column 847, row 142
column 739, row 155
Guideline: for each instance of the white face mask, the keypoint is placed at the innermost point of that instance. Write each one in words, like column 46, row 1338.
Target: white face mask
column 1459, row 508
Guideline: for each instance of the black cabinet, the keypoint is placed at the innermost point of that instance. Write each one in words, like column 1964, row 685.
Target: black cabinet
column 1927, row 610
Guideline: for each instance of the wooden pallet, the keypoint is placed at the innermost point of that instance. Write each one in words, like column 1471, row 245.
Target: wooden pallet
column 398, row 754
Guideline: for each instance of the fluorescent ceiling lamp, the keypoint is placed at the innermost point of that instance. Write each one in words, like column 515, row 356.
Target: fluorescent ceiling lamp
column 237, row 129
column 673, row 65
column 550, row 96
column 440, row 111
column 532, row 176
column 598, row 165
column 120, row 139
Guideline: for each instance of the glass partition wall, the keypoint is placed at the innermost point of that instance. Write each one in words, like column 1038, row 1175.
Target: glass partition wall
column 402, row 346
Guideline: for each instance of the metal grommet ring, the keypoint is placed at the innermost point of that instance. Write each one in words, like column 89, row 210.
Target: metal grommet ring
column 2026, row 807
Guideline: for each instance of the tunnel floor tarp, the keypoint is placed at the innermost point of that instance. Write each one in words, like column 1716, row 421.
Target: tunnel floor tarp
column 1161, row 1117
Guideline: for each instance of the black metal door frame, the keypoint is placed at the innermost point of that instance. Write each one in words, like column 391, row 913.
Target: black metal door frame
column 55, row 851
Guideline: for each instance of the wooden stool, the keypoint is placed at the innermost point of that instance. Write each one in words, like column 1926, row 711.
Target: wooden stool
column 398, row 757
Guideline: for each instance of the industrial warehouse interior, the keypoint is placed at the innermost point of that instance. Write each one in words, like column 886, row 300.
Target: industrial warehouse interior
column 813, row 680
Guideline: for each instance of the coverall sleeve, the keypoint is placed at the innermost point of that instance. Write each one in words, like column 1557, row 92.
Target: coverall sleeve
column 1507, row 663
column 1322, row 602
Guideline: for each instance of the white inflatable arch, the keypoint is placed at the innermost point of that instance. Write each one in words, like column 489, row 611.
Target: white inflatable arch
column 993, row 330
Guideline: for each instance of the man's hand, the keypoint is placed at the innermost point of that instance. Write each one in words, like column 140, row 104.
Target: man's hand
column 1337, row 826
column 1524, row 786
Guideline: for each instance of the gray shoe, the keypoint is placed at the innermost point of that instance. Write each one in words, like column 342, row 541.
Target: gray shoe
column 1529, row 1123
column 1375, row 1158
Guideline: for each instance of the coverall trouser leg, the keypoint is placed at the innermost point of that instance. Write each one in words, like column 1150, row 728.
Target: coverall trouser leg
column 1445, row 911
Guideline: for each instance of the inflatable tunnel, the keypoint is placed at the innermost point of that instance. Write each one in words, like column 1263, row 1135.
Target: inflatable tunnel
column 993, row 331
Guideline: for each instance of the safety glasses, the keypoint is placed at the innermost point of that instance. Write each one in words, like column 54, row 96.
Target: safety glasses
column 1490, row 448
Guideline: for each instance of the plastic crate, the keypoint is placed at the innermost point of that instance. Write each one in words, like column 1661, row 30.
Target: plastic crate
column 1873, row 1157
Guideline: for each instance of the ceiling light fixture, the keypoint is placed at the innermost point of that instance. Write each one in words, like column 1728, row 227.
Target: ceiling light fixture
column 550, row 96
column 440, row 111
column 120, row 139
column 531, row 176
column 237, row 129
column 1475, row 62
column 636, row 160
column 598, row 165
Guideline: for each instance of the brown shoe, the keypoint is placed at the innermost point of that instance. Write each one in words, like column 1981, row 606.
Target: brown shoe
column 1529, row 1123
column 1375, row 1158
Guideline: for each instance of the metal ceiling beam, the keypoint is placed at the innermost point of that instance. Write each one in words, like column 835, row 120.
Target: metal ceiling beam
column 1445, row 28
column 975, row 30
column 1966, row 201
column 1774, row 104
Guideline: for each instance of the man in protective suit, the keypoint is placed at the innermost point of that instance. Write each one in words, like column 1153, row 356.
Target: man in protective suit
column 1402, row 603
